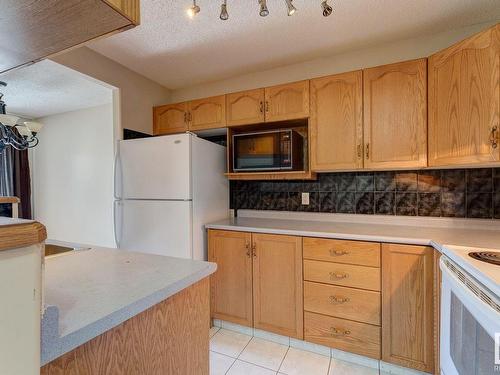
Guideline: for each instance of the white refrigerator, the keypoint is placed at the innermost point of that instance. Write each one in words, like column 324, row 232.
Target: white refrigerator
column 167, row 188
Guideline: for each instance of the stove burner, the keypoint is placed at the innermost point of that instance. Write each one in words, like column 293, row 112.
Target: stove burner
column 487, row 256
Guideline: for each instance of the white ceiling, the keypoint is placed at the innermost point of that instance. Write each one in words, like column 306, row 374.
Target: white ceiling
column 178, row 52
column 47, row 88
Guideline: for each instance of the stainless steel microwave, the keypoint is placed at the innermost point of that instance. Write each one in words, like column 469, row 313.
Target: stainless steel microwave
column 272, row 150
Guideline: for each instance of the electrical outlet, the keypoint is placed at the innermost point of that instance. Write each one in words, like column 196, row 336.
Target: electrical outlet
column 305, row 199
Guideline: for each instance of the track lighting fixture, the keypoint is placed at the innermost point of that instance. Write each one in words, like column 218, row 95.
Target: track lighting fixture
column 291, row 8
column 263, row 8
column 193, row 10
column 224, row 15
column 327, row 9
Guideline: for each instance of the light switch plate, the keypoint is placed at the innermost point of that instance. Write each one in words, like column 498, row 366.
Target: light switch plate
column 305, row 199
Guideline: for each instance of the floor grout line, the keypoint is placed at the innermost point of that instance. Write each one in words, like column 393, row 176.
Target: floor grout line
column 283, row 360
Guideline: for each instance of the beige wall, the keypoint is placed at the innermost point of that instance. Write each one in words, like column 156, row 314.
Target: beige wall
column 137, row 94
column 369, row 57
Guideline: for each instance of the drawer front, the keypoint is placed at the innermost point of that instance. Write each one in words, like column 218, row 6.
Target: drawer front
column 342, row 274
column 349, row 252
column 341, row 302
column 354, row 337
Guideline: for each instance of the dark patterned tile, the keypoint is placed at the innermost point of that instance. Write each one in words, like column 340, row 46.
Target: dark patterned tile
column 328, row 182
column 310, row 186
column 385, row 203
column 327, row 201
column 365, row 182
column 280, row 186
column 313, row 205
column 241, row 199
column 346, row 182
column 453, row 204
column 406, row 181
column 453, row 180
column 496, row 205
column 479, row 180
column 294, row 201
column 406, row 204
column 346, row 202
column 479, row 205
column 429, row 204
column 274, row 201
column 295, row 186
column 429, row 181
column 385, row 181
column 496, row 180
column 365, row 203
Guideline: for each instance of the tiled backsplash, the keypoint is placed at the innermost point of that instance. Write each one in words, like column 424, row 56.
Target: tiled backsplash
column 472, row 193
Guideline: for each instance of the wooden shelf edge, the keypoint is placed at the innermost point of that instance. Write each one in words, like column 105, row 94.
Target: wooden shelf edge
column 21, row 235
column 9, row 200
column 295, row 175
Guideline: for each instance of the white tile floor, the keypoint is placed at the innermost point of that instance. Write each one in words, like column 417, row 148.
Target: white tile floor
column 234, row 353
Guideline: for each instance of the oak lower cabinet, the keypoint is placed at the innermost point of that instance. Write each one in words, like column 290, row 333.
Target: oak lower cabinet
column 408, row 306
column 261, row 271
column 464, row 102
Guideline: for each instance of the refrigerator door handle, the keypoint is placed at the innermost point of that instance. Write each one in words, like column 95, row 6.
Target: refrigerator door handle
column 118, row 180
column 117, row 216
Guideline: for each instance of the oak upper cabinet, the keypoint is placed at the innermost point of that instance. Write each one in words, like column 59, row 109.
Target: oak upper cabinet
column 33, row 30
column 207, row 113
column 464, row 102
column 407, row 306
column 277, row 284
column 287, row 102
column 395, row 115
column 245, row 108
column 336, row 122
column 170, row 118
column 231, row 285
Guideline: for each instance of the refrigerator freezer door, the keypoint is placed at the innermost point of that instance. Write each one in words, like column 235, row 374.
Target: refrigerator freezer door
column 154, row 168
column 155, row 227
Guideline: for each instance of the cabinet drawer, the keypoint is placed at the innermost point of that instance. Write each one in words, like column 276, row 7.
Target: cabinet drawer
column 354, row 337
column 351, row 252
column 342, row 274
column 348, row 303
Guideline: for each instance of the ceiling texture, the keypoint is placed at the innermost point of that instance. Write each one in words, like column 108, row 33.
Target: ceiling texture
column 47, row 88
column 179, row 52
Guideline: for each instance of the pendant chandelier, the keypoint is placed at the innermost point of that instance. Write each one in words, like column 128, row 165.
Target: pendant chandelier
column 20, row 137
column 193, row 10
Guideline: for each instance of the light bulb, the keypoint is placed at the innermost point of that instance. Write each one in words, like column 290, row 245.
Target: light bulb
column 263, row 8
column 194, row 10
column 291, row 8
column 327, row 9
column 224, row 15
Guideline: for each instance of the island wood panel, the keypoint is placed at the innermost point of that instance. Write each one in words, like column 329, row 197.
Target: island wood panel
column 354, row 337
column 277, row 278
column 347, row 303
column 464, row 101
column 245, row 108
column 168, row 339
column 336, row 122
column 207, row 113
column 407, row 306
column 342, row 251
column 21, row 235
column 170, row 119
column 437, row 309
column 287, row 102
column 395, row 115
column 231, row 284
column 342, row 274
column 57, row 26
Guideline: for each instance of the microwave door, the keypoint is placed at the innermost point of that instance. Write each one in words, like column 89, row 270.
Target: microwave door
column 257, row 152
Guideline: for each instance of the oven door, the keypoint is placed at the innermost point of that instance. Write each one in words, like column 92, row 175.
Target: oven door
column 468, row 325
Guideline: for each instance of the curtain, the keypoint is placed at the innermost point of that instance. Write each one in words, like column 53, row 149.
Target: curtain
column 22, row 182
column 6, row 179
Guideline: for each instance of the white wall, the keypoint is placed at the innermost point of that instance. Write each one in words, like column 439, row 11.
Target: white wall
column 338, row 63
column 73, row 176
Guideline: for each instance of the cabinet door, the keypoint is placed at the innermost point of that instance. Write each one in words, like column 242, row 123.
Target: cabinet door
column 395, row 115
column 287, row 102
column 464, row 101
column 231, row 285
column 245, row 107
column 277, row 284
column 170, row 118
column 407, row 306
column 207, row 113
column 337, row 122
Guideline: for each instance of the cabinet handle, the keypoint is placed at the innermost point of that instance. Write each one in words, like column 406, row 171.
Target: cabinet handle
column 337, row 253
column 334, row 275
column 261, row 106
column 247, row 246
column 335, row 299
column 267, row 106
column 367, row 151
column 339, row 331
column 494, row 137
column 185, row 117
column 360, row 151
column 254, row 250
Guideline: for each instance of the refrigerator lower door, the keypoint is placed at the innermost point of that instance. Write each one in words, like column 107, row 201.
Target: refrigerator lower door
column 154, row 227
